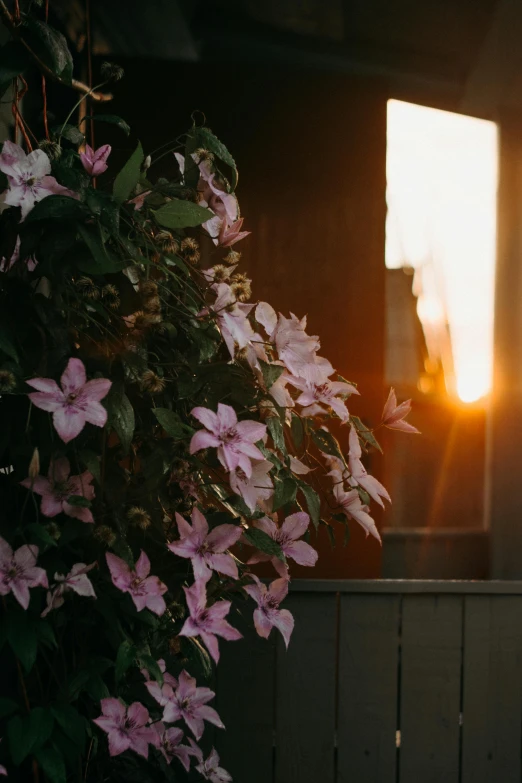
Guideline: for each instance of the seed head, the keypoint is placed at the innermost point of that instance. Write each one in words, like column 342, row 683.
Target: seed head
column 167, row 242
column 87, row 288
column 152, row 382
column 7, row 381
column 104, row 535
column 203, row 154
column 232, row 258
column 111, row 72
column 190, row 250
column 111, row 296
column 51, row 149
column 148, row 288
column 139, row 517
column 152, row 305
column 242, row 290
column 221, row 273
column 53, row 530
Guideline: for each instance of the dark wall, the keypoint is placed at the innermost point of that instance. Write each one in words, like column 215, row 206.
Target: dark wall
column 311, row 150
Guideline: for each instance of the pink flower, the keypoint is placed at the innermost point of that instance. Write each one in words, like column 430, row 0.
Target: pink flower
column 77, row 402
column 206, row 550
column 146, row 591
column 232, row 318
column 28, row 177
column 256, row 487
column 295, row 348
column 126, row 727
column 207, row 622
column 5, row 265
column 95, row 161
column 316, row 395
column 268, row 615
column 18, row 572
column 58, row 488
column 230, row 234
column 287, row 537
column 352, row 506
column 76, row 580
column 210, row 769
column 170, row 744
column 358, row 472
column 160, row 693
column 234, row 440
column 393, row 415
column 190, row 704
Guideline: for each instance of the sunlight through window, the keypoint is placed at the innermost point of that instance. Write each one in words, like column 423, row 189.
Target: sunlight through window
column 441, row 194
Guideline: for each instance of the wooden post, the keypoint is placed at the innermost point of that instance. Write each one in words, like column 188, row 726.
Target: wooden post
column 504, row 449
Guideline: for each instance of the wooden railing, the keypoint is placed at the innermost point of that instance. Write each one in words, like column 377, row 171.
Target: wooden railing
column 384, row 682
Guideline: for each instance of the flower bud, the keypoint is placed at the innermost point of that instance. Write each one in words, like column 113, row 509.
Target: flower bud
column 51, row 149
column 34, row 465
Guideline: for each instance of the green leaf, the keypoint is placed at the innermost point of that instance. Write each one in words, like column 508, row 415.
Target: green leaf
column 271, row 373
column 297, row 430
column 96, row 688
column 71, row 722
column 52, row 763
column 149, row 663
column 113, row 120
column 39, row 534
column 121, row 415
column 7, row 346
column 21, row 635
column 50, row 46
column 203, row 137
column 79, row 501
column 124, row 659
column 285, row 492
column 7, row 707
column 313, row 501
column 56, row 208
column 275, row 429
column 172, row 424
column 325, row 441
column 181, row 214
column 18, row 743
column 28, row 733
column 45, row 634
column 264, row 543
column 365, row 433
column 70, row 132
column 14, row 59
column 129, row 176
column 91, row 461
column 101, row 262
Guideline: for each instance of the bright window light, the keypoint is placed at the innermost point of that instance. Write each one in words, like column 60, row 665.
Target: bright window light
column 441, row 193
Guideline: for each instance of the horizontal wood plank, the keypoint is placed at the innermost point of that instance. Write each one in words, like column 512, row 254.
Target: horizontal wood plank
column 407, row 586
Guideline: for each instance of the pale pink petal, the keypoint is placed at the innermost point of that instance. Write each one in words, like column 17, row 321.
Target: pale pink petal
column 223, row 537
column 51, row 505
column 296, row 525
column 47, row 386
column 262, row 623
column 284, row 622
column 211, row 643
column 267, row 525
column 266, row 316
column 68, row 422
column 142, row 565
column 279, row 589
column 78, row 512
column 226, row 416
column 95, row 413
column 203, row 439
column 47, row 402
column 251, row 430
column 199, row 523
column 207, row 418
column 97, row 389
column 26, row 556
column 224, row 564
column 301, row 552
column 20, row 590
column 183, row 526
column 73, row 377
column 400, row 425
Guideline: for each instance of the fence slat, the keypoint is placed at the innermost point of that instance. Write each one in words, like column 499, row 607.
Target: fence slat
column 491, row 734
column 368, row 669
column 430, row 689
column 306, row 693
column 246, row 704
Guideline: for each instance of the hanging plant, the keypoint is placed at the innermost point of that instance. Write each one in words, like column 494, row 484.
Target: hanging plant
column 161, row 434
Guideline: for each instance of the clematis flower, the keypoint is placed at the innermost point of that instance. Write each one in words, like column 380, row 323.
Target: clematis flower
column 146, row 591
column 234, row 440
column 207, row 622
column 287, row 537
column 358, row 472
column 58, row 487
column 207, row 551
column 95, row 161
column 295, row 348
column 315, row 397
column 350, row 504
column 76, row 580
column 230, row 234
column 256, row 487
column 19, row 572
column 232, row 318
column 210, row 769
column 126, row 727
column 77, row 402
column 169, row 744
column 268, row 615
column 5, row 265
column 189, row 703
column 28, row 177
column 160, row 693
column 393, row 415
column 298, row 467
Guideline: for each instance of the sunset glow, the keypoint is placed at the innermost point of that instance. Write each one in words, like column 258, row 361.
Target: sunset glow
column 441, row 193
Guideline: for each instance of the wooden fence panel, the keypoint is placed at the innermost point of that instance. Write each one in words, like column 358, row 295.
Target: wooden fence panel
column 431, row 656
column 368, row 677
column 246, row 704
column 492, row 690
column 306, row 692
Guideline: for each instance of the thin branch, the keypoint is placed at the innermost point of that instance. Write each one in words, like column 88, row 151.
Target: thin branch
column 10, row 23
